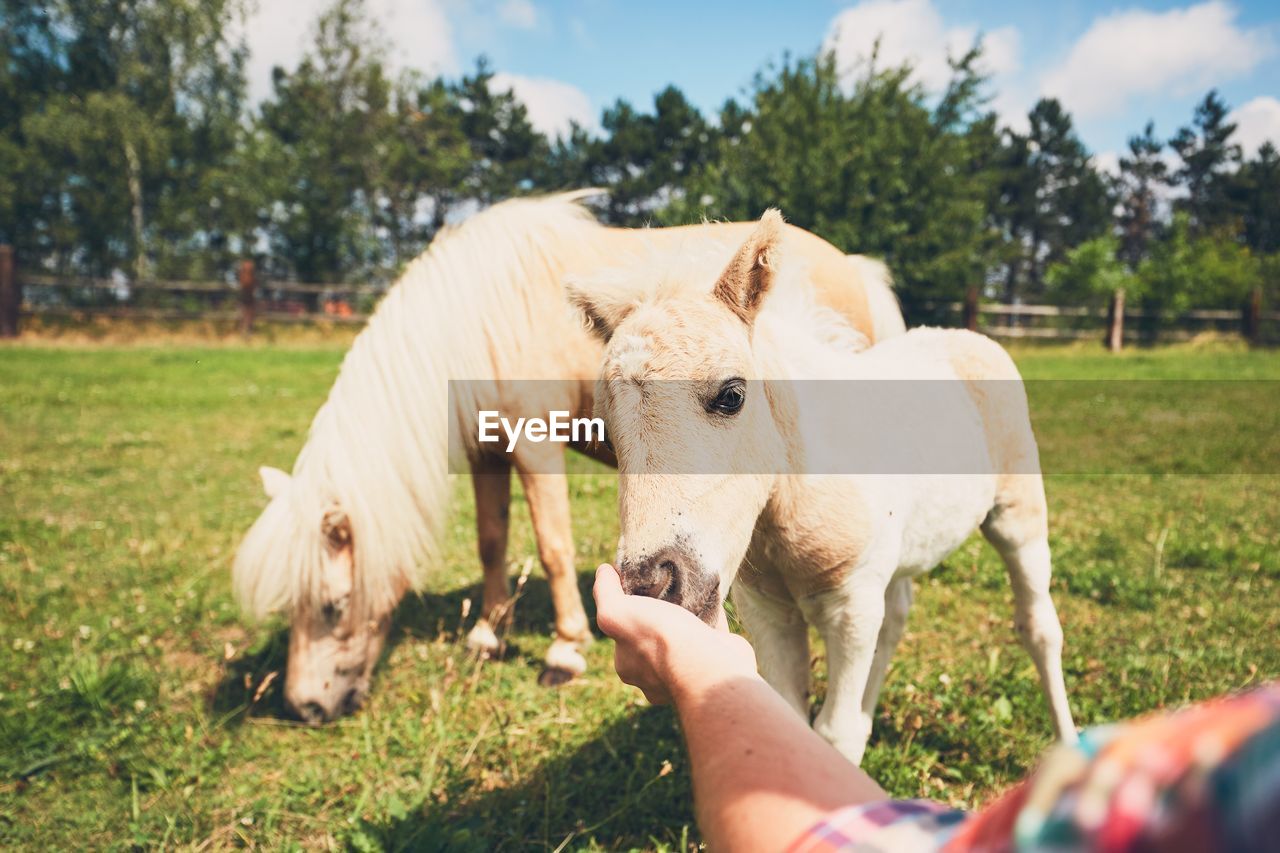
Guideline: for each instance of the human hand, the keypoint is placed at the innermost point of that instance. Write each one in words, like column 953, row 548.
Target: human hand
column 663, row 649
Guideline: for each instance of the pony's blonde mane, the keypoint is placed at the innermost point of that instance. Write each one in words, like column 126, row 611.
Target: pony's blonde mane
column 792, row 311
column 378, row 447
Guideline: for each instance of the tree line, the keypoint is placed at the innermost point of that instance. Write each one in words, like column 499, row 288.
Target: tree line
column 129, row 146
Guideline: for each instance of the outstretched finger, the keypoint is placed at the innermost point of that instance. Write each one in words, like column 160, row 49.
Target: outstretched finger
column 610, row 599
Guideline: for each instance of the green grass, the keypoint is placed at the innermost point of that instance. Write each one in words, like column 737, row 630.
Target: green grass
column 137, row 709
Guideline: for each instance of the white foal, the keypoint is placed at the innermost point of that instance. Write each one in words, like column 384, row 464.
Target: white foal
column 828, row 511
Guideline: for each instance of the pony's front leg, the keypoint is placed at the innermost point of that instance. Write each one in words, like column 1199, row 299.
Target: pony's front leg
column 780, row 638
column 547, row 490
column 849, row 620
column 491, row 482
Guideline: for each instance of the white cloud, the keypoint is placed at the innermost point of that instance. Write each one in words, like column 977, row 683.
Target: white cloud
column 1107, row 162
column 279, row 31
column 1257, row 122
column 521, row 14
column 420, row 33
column 1137, row 52
column 420, row 36
column 1009, row 89
column 1000, row 49
column 913, row 31
column 552, row 104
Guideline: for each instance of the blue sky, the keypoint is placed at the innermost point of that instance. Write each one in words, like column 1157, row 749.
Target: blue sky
column 1113, row 64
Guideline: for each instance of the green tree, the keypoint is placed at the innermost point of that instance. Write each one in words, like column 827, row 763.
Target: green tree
column 871, row 168
column 1143, row 175
column 1258, row 184
column 424, row 163
column 1208, row 161
column 109, row 158
column 30, row 70
column 1090, row 273
column 136, row 101
column 1188, row 270
column 1052, row 199
column 645, row 160
column 325, row 125
column 508, row 155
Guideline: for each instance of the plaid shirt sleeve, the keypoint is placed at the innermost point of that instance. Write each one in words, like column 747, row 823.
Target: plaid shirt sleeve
column 1203, row 778
column 892, row 826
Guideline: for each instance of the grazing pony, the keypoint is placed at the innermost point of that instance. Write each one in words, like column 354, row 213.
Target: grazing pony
column 345, row 537
column 717, row 444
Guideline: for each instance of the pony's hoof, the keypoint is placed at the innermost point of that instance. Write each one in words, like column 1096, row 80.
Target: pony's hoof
column 482, row 641
column 563, row 664
column 554, row 676
column 564, row 655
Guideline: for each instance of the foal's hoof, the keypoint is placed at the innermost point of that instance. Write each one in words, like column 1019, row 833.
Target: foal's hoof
column 554, row 676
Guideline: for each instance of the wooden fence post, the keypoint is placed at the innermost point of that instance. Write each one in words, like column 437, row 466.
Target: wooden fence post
column 971, row 309
column 1115, row 321
column 1253, row 317
column 10, row 294
column 248, row 296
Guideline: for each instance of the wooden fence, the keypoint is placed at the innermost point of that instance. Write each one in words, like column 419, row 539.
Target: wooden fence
column 249, row 299
column 1113, row 326
column 244, row 302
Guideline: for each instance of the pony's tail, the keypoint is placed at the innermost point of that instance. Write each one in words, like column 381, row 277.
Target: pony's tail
column 877, row 282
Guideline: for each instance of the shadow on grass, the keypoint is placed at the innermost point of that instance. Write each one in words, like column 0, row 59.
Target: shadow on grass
column 248, row 687
column 252, row 683
column 616, row 791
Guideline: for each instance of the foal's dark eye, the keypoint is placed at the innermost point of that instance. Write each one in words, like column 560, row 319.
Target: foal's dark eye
column 730, row 397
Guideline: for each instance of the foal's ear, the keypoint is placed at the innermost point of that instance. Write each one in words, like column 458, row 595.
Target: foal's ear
column 274, row 481
column 605, row 301
column 745, row 281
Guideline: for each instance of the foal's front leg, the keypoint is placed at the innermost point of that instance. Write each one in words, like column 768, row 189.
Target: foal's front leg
column 849, row 620
column 780, row 638
column 897, row 605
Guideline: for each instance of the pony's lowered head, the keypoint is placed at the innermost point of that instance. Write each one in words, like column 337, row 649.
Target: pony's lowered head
column 687, row 414
column 299, row 557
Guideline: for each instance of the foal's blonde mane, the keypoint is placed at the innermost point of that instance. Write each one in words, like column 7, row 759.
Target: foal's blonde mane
column 378, row 447
column 791, row 310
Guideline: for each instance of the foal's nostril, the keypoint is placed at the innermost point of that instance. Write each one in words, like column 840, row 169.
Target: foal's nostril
column 654, row 577
column 654, row 581
column 673, row 574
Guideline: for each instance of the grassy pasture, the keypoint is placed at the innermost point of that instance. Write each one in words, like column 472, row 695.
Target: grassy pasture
column 137, row 709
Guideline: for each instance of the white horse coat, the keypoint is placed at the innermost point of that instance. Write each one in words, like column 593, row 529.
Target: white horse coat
column 682, row 385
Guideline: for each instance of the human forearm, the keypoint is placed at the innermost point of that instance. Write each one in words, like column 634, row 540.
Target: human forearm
column 760, row 775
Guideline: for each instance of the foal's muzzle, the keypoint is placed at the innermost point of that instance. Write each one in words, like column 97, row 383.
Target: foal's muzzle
column 672, row 574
